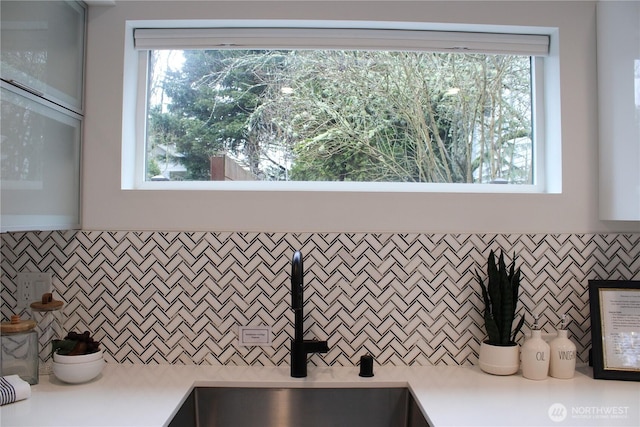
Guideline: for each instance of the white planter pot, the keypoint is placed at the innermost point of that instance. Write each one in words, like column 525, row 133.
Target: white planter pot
column 499, row 360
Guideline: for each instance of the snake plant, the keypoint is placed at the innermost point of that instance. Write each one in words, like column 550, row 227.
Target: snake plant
column 501, row 299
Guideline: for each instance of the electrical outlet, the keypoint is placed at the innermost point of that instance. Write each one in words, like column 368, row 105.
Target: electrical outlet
column 31, row 286
column 254, row 335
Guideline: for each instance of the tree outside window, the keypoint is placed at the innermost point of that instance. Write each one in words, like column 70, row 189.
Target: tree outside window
column 333, row 115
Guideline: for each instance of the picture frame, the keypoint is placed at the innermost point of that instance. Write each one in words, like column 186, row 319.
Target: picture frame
column 615, row 329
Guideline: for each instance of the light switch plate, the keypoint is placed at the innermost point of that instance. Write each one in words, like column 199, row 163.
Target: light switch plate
column 31, row 286
column 254, row 335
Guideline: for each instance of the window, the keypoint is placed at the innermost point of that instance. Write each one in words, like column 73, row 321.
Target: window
column 339, row 105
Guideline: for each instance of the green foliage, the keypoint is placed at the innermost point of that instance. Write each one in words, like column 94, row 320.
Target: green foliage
column 212, row 97
column 152, row 168
column 501, row 298
column 349, row 115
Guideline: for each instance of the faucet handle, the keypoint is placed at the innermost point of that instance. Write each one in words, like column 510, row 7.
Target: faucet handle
column 315, row 346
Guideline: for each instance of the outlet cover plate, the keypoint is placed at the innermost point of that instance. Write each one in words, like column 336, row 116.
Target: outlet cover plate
column 254, row 336
column 31, row 286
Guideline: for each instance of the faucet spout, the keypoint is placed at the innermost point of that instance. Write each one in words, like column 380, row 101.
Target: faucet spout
column 297, row 297
column 299, row 346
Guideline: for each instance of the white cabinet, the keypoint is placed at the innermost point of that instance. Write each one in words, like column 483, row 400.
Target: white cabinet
column 41, row 114
column 43, row 48
column 40, row 183
column 618, row 24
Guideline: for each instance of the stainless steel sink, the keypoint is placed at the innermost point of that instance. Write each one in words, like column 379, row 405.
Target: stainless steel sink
column 299, row 407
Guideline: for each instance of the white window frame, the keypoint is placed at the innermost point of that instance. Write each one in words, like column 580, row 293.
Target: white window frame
column 145, row 35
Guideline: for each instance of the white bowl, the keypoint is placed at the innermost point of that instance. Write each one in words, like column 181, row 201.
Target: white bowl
column 76, row 373
column 83, row 358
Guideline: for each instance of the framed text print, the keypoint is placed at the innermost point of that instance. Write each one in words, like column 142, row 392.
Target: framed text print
column 615, row 329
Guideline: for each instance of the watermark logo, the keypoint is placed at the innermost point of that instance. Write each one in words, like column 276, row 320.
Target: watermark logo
column 557, row 412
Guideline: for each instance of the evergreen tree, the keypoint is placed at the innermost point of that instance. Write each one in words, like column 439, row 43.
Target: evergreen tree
column 212, row 97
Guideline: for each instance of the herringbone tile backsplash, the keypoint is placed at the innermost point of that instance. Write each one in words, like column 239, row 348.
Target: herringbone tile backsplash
column 407, row 299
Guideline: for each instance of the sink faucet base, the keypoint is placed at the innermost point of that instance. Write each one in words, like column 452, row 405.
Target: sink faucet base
column 299, row 352
column 300, row 347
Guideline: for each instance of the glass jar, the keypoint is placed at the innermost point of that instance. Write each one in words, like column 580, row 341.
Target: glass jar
column 48, row 315
column 19, row 349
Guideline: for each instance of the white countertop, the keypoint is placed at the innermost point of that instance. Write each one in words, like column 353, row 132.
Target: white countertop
column 149, row 395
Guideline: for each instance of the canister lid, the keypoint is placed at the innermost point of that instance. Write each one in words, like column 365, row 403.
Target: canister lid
column 17, row 325
column 47, row 303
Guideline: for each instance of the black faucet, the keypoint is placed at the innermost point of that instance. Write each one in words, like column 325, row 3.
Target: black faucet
column 299, row 346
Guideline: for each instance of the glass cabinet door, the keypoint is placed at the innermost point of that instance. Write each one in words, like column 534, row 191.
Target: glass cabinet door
column 40, row 164
column 43, row 48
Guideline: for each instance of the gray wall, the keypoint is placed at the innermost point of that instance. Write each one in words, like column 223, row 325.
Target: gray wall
column 571, row 132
